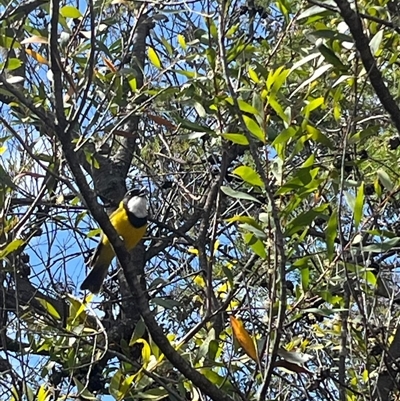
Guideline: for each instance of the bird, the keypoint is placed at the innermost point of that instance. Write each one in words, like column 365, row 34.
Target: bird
column 130, row 222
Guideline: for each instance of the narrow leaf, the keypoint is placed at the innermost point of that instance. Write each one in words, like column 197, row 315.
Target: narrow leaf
column 317, row 73
column 385, row 179
column 240, row 139
column 11, row 247
column 70, row 12
column 331, row 234
column 34, row 39
column 359, row 204
column 49, row 308
column 153, row 57
column 109, row 64
column 376, row 42
column 182, row 41
column 243, row 338
column 248, row 175
column 39, row 58
column 254, row 128
column 237, row 194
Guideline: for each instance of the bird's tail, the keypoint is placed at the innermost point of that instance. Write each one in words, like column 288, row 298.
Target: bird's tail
column 95, row 278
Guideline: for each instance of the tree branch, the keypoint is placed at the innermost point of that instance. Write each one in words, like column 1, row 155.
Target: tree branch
column 354, row 23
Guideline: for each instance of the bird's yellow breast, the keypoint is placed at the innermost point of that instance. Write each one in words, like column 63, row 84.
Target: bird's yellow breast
column 130, row 234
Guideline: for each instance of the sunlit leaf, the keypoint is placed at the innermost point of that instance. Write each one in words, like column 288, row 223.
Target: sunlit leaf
column 305, row 278
column 256, row 244
column 38, row 57
column 317, row 73
column 253, row 75
column 70, row 12
column 153, row 57
column 248, row 175
column 243, row 338
column 359, row 205
column 11, row 247
column 49, row 308
column 43, row 394
column 254, row 128
column 239, row 139
column 182, row 41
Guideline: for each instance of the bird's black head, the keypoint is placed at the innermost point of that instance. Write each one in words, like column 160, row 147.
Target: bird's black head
column 141, row 192
column 135, row 202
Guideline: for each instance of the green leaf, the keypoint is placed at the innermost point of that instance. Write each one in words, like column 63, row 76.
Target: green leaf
column 359, row 205
column 385, row 179
column 11, row 247
column 70, row 12
column 285, row 135
column 49, row 308
column 278, row 109
column 43, row 394
column 240, row 139
column 317, row 73
column 140, row 329
column 248, row 175
column 383, row 246
column 153, row 394
column 314, row 104
column 256, row 245
column 368, row 132
column 317, row 10
column 317, row 136
column 244, row 220
column 215, row 378
column 153, row 57
column 329, row 34
column 305, row 278
column 259, row 233
column 330, row 56
column 116, row 389
column 85, row 393
column 237, row 194
column 193, row 126
column 331, row 234
column 243, row 106
column 182, row 41
column 253, row 76
column 133, row 84
column 9, row 42
column 376, row 42
column 254, row 128
column 304, row 220
column 13, row 64
column 166, row 303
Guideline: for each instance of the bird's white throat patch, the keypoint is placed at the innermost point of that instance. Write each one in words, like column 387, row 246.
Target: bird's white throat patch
column 138, row 206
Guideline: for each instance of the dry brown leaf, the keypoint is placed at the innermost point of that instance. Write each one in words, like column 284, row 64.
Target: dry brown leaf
column 162, row 121
column 125, row 134
column 109, row 64
column 291, row 366
column 243, row 338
